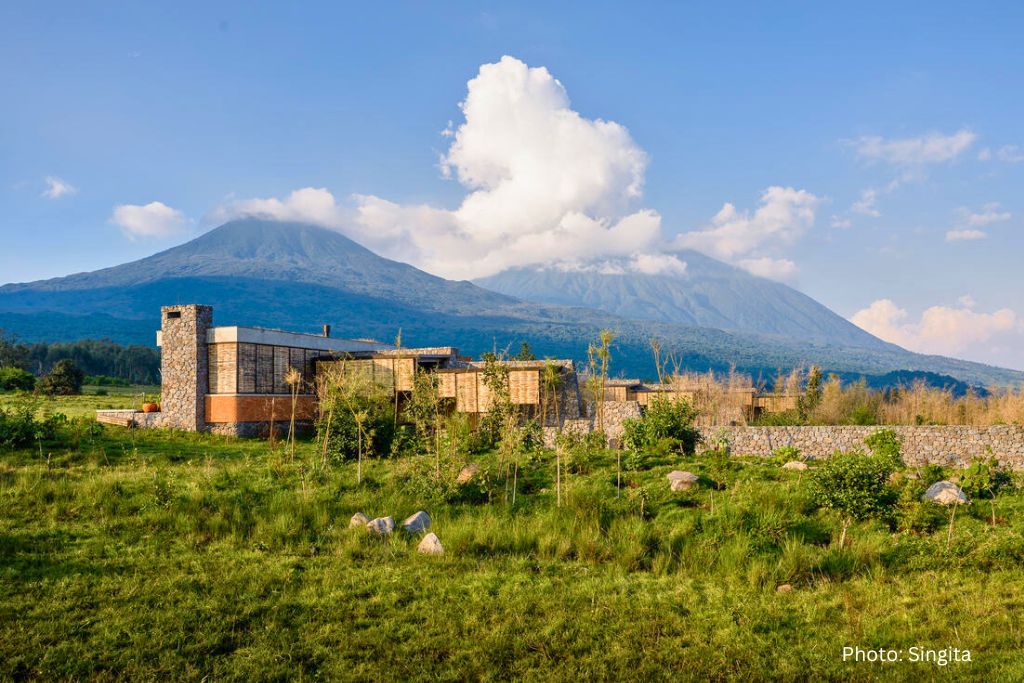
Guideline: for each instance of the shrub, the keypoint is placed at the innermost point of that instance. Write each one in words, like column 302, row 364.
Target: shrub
column 65, row 379
column 581, row 452
column 985, row 479
column 885, row 443
column 16, row 379
column 787, row 453
column 105, row 381
column 19, row 426
column 667, row 425
column 854, row 485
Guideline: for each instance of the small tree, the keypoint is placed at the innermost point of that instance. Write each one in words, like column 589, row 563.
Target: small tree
column 854, row 485
column 65, row 379
column 986, row 479
column 358, row 413
column 293, row 378
column 525, row 352
column 551, row 379
column 812, row 394
column 426, row 410
column 16, row 379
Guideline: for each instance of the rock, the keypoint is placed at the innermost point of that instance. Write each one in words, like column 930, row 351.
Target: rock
column 946, row 493
column 681, row 481
column 358, row 519
column 417, row 522
column 430, row 545
column 795, row 465
column 784, row 588
column 467, row 473
column 382, row 526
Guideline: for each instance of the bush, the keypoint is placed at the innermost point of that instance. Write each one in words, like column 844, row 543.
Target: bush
column 105, row 381
column 666, row 425
column 19, row 426
column 985, row 479
column 885, row 443
column 581, row 452
column 16, row 379
column 787, row 453
column 65, row 379
column 855, row 485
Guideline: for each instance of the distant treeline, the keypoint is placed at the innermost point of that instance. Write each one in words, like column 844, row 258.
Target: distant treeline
column 136, row 364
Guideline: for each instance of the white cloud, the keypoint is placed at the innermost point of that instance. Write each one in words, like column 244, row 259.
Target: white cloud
column 965, row 235
column 941, row 329
column 985, row 154
column 967, row 301
column 990, row 213
column 544, row 184
column 1011, row 154
column 658, row 264
column 741, row 237
column 867, row 204
column 932, row 148
column 57, row 188
column 840, row 222
column 155, row 219
column 307, row 205
column 780, row 269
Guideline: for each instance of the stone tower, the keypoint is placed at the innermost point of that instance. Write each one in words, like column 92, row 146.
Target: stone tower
column 184, row 365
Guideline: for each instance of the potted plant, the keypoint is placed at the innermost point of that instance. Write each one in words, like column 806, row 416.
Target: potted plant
column 149, row 406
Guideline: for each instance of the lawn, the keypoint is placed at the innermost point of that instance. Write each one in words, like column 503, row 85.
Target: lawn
column 143, row 555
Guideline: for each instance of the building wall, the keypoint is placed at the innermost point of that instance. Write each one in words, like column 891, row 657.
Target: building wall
column 184, row 365
column 227, row 408
column 945, row 445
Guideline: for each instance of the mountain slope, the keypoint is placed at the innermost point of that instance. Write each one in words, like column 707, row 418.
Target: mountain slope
column 708, row 294
column 297, row 277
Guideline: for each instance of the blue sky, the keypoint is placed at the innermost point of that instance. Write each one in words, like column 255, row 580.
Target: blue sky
column 894, row 136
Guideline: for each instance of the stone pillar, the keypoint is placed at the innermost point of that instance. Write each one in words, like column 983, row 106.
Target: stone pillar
column 184, row 365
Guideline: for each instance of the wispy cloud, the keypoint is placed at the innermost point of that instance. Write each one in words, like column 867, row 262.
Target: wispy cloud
column 57, row 188
column 931, row 148
column 965, row 235
column 867, row 205
column 990, row 213
column 155, row 219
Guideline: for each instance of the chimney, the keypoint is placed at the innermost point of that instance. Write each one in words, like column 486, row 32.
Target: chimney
column 327, row 330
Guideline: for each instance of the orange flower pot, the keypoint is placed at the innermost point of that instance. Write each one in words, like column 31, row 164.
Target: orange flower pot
column 151, row 407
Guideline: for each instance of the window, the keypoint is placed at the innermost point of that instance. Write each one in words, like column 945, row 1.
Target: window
column 171, row 315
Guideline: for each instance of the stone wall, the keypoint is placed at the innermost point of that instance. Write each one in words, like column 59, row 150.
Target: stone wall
column 945, row 445
column 615, row 413
column 184, row 365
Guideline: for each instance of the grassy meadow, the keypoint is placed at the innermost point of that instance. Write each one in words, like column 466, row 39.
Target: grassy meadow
column 155, row 555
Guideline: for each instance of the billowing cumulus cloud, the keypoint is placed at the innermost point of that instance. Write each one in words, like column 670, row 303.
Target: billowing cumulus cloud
column 544, row 185
column 155, row 219
column 943, row 330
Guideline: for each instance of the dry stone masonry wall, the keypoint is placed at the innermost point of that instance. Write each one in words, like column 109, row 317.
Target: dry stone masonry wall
column 944, row 445
column 184, row 365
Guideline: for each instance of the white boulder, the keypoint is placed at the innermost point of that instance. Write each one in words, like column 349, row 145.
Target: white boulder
column 795, row 465
column 946, row 493
column 382, row 526
column 467, row 473
column 358, row 519
column 681, row 481
column 417, row 522
column 430, row 545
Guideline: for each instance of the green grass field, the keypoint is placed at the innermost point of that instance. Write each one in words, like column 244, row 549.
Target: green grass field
column 181, row 556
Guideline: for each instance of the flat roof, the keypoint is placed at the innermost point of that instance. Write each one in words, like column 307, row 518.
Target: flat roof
column 297, row 340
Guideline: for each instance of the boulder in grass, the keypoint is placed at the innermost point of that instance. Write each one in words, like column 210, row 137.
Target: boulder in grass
column 358, row 519
column 681, row 481
column 795, row 465
column 430, row 545
column 417, row 522
column 467, row 473
column 784, row 588
column 382, row 526
column 946, row 493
